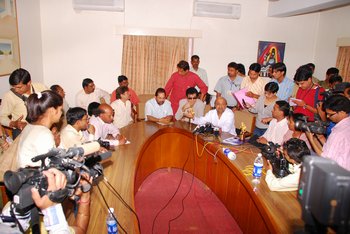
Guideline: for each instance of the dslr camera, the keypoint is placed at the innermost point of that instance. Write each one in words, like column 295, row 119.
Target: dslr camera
column 208, row 129
column 317, row 127
column 278, row 161
column 72, row 163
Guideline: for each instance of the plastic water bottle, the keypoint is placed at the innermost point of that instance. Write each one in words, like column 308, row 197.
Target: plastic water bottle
column 258, row 166
column 231, row 155
column 112, row 227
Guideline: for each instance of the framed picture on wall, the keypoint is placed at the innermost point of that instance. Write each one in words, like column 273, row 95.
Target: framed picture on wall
column 9, row 43
column 269, row 53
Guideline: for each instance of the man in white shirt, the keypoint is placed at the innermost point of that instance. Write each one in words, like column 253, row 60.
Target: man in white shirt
column 278, row 125
column 90, row 93
column 202, row 73
column 158, row 109
column 77, row 131
column 13, row 111
column 221, row 117
column 104, row 127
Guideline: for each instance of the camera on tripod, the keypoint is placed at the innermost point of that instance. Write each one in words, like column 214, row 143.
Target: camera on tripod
column 278, row 161
column 72, row 163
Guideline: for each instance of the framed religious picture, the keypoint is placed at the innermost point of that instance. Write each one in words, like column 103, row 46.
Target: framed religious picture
column 9, row 43
column 268, row 54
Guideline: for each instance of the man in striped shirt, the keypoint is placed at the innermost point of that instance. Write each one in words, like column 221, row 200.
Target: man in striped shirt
column 285, row 85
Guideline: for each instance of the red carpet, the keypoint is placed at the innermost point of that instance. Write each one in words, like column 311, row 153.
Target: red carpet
column 203, row 211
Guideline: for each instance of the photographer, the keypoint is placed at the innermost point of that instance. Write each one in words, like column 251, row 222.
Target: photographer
column 54, row 218
column 337, row 146
column 293, row 150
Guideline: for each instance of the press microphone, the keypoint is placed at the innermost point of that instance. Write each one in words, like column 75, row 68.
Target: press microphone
column 93, row 159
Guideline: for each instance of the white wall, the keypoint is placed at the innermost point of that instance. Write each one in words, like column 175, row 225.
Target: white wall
column 334, row 24
column 28, row 14
column 83, row 44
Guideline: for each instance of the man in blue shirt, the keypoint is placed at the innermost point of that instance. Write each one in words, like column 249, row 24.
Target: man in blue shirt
column 229, row 84
column 285, row 84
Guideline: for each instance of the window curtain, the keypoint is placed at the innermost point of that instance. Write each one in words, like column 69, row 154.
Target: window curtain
column 149, row 61
column 343, row 62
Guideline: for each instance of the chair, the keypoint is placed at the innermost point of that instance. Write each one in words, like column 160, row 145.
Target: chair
column 140, row 108
column 247, row 118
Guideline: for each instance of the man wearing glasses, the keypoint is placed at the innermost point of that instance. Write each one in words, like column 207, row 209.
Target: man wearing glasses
column 337, row 146
column 190, row 105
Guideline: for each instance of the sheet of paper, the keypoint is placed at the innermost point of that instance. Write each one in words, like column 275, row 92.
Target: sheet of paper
column 240, row 96
column 291, row 103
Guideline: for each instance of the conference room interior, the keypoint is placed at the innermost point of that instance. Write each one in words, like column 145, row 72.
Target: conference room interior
column 62, row 45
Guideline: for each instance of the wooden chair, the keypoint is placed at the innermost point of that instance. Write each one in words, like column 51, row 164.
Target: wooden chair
column 140, row 108
column 247, row 118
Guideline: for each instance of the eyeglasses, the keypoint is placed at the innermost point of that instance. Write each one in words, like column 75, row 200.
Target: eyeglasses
column 191, row 98
column 330, row 115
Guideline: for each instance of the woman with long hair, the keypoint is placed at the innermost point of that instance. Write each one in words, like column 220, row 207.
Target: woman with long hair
column 44, row 109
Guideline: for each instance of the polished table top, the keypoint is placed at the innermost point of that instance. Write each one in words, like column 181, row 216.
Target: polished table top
column 278, row 209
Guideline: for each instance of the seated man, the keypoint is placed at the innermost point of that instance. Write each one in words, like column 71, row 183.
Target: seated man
column 104, row 128
column 337, row 146
column 294, row 150
column 90, row 94
column 158, row 109
column 60, row 91
column 77, row 131
column 278, row 126
column 189, row 105
column 222, row 117
column 13, row 111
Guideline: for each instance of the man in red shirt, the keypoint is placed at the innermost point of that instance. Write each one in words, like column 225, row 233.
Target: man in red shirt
column 308, row 94
column 180, row 81
column 123, row 81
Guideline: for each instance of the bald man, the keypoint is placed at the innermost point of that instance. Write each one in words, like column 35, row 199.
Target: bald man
column 222, row 117
column 104, row 128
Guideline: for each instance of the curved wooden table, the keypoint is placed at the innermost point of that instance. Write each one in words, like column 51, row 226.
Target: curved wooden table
column 154, row 146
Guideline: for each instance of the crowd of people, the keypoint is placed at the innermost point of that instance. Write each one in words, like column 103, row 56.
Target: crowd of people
column 35, row 113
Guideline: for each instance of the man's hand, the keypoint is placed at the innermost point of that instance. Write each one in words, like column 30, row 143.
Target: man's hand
column 299, row 102
column 262, row 140
column 165, row 120
column 56, row 181
column 266, row 120
column 18, row 124
column 121, row 139
column 91, row 129
column 251, row 94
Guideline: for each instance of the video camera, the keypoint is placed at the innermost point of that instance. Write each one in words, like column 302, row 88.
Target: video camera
column 317, row 127
column 277, row 159
column 207, row 128
column 73, row 163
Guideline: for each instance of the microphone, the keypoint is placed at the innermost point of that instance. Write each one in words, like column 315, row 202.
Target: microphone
column 92, row 160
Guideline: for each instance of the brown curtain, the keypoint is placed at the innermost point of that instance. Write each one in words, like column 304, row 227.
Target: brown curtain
column 149, row 61
column 343, row 62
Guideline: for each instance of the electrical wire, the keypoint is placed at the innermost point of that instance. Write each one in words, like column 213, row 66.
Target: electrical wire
column 115, row 192
column 104, row 199
column 183, row 199
column 172, row 197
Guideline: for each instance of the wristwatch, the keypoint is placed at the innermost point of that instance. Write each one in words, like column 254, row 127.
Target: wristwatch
column 304, row 107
